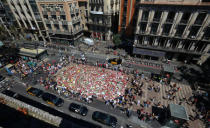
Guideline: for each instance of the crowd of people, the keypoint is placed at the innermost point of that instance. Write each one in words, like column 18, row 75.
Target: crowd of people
column 130, row 99
column 25, row 66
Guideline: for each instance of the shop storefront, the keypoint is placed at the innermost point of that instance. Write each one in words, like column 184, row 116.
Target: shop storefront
column 149, row 54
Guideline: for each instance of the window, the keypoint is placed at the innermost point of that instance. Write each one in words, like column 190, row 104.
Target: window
column 185, row 17
column 49, row 26
column 46, row 16
column 193, row 31
column 60, row 5
column 63, row 17
column 206, row 33
column 143, row 27
column 170, row 17
column 51, row 5
column 56, row 26
column 200, row 18
column 179, row 30
column 154, row 28
column 145, row 15
column 65, row 27
column 54, row 17
column 157, row 16
column 166, row 29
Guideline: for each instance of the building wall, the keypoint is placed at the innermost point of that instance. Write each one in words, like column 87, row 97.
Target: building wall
column 4, row 18
column 63, row 19
column 101, row 18
column 25, row 18
column 126, row 17
column 174, row 28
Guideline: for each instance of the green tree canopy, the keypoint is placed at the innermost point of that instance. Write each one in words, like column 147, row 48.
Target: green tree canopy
column 116, row 39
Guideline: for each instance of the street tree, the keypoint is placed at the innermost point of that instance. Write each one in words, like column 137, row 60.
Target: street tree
column 116, row 40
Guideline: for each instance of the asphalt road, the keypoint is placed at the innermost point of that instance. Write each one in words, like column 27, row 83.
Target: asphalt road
column 20, row 88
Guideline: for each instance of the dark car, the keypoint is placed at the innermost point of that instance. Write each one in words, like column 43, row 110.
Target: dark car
column 10, row 93
column 115, row 61
column 104, row 118
column 1, row 78
column 82, row 110
column 52, row 99
column 34, row 91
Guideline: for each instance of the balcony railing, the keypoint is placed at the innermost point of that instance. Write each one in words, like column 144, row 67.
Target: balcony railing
column 100, row 24
column 65, row 32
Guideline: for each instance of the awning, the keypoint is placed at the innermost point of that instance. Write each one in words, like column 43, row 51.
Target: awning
column 9, row 66
column 178, row 111
column 96, row 12
column 168, row 68
column 148, row 52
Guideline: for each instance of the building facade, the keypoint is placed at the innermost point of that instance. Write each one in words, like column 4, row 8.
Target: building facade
column 103, row 18
column 5, row 19
column 27, row 19
column 62, row 19
column 176, row 30
column 127, row 9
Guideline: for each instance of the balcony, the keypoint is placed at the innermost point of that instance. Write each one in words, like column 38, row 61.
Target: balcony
column 77, row 10
column 72, row 11
column 100, row 24
column 47, row 21
column 77, row 30
column 112, row 2
column 62, row 13
column 53, row 12
column 65, row 32
column 38, row 18
column 65, row 22
column 44, row 12
column 56, row 22
column 76, row 20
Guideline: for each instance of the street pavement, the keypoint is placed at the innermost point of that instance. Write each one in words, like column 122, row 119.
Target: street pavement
column 20, row 88
column 97, row 105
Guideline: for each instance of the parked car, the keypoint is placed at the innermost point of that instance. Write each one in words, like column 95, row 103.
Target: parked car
column 104, row 118
column 10, row 93
column 115, row 61
column 82, row 110
column 34, row 91
column 52, row 99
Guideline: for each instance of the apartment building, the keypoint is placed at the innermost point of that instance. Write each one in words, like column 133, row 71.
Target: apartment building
column 27, row 18
column 62, row 19
column 83, row 6
column 127, row 9
column 175, row 30
column 103, row 18
column 5, row 19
